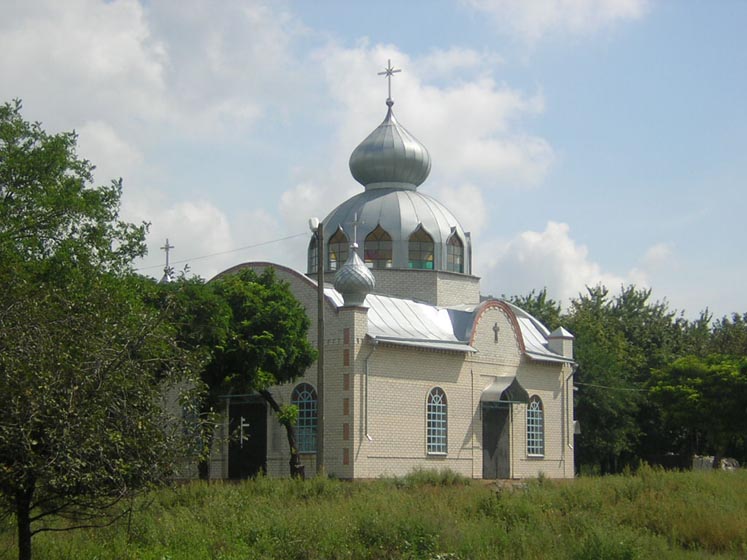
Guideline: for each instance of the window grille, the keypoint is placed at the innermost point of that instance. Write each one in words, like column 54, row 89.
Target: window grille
column 304, row 397
column 436, row 422
column 338, row 250
column 454, row 254
column 535, row 427
column 421, row 250
column 313, row 254
column 377, row 249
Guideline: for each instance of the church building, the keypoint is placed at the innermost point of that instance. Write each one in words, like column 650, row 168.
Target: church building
column 419, row 371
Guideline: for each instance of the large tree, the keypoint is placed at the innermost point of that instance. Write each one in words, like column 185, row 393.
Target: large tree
column 253, row 334
column 704, row 404
column 85, row 364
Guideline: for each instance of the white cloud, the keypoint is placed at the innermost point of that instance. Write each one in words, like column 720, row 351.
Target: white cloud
column 471, row 128
column 99, row 143
column 533, row 260
column 467, row 204
column 533, row 19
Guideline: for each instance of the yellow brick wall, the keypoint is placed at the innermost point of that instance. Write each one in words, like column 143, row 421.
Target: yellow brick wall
column 399, row 380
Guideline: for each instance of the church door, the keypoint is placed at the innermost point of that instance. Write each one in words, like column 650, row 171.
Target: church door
column 495, row 442
column 247, row 452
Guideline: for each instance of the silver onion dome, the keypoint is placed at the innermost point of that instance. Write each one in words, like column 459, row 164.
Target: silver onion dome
column 354, row 281
column 390, row 157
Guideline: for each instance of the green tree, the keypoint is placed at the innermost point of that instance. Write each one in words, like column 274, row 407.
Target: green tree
column 85, row 365
column 253, row 334
column 703, row 403
column 607, row 400
column 545, row 309
column 729, row 336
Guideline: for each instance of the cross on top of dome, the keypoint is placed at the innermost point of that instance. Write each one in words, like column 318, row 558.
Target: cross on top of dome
column 389, row 72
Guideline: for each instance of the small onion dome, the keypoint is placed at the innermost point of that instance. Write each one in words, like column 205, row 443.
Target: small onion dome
column 390, row 157
column 354, row 281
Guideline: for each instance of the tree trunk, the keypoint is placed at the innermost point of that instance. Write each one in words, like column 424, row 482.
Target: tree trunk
column 296, row 468
column 23, row 519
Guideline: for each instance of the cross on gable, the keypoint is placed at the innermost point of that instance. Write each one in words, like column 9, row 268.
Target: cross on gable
column 389, row 72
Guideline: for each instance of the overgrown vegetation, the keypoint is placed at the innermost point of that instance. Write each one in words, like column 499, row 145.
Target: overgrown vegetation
column 648, row 514
column 648, row 378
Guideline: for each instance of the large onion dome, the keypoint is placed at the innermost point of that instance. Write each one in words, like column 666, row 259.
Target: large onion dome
column 390, row 157
column 398, row 227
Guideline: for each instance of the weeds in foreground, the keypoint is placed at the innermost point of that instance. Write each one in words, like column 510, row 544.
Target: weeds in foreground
column 429, row 515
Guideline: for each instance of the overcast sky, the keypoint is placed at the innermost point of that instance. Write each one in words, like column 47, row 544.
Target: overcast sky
column 580, row 141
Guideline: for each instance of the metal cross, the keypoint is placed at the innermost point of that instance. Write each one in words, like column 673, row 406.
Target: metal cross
column 355, row 223
column 167, row 248
column 389, row 72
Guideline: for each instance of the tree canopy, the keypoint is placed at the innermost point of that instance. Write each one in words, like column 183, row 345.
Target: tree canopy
column 85, row 363
column 252, row 333
column 638, row 362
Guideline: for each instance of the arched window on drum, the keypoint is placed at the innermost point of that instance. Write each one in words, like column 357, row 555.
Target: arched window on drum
column 420, row 250
column 337, row 252
column 377, row 249
column 454, row 254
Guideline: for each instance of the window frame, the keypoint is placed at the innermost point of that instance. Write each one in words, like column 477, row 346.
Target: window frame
column 420, row 244
column 437, row 423
column 313, row 254
column 338, row 244
column 377, row 249
column 455, row 254
column 307, row 422
column 535, row 428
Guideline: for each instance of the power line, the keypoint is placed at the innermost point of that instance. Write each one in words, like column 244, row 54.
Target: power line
column 611, row 388
column 201, row 257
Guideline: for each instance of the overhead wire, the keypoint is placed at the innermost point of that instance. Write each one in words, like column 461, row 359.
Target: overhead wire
column 219, row 253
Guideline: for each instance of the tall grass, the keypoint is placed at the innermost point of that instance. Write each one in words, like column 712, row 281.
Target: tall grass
column 649, row 514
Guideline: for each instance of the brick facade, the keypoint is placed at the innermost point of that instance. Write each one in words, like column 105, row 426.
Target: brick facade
column 376, row 394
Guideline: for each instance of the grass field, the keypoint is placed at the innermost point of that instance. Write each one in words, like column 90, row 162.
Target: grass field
column 650, row 514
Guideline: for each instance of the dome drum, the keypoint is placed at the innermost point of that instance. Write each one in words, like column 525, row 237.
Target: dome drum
column 400, row 214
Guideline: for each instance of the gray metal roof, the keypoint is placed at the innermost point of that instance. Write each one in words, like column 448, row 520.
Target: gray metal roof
column 400, row 213
column 409, row 323
column 390, row 155
column 535, row 336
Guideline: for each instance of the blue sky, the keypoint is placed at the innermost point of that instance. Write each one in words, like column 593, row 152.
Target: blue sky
column 581, row 141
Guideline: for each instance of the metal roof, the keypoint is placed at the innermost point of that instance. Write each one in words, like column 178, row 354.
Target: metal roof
column 390, row 155
column 410, row 323
column 535, row 336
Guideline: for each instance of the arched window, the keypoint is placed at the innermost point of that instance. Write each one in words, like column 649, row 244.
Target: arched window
column 436, row 422
column 535, row 427
column 337, row 252
column 421, row 250
column 304, row 397
column 454, row 254
column 377, row 249
column 313, row 254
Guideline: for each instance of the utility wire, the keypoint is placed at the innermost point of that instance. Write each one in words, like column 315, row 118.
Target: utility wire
column 201, row 257
column 611, row 388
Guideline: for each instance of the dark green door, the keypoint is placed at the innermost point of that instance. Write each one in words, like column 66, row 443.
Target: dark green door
column 495, row 442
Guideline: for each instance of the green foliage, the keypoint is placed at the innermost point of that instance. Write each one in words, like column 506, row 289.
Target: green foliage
column 649, row 514
column 703, row 402
column 545, row 309
column 264, row 341
column 85, row 363
column 48, row 210
column 620, row 341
